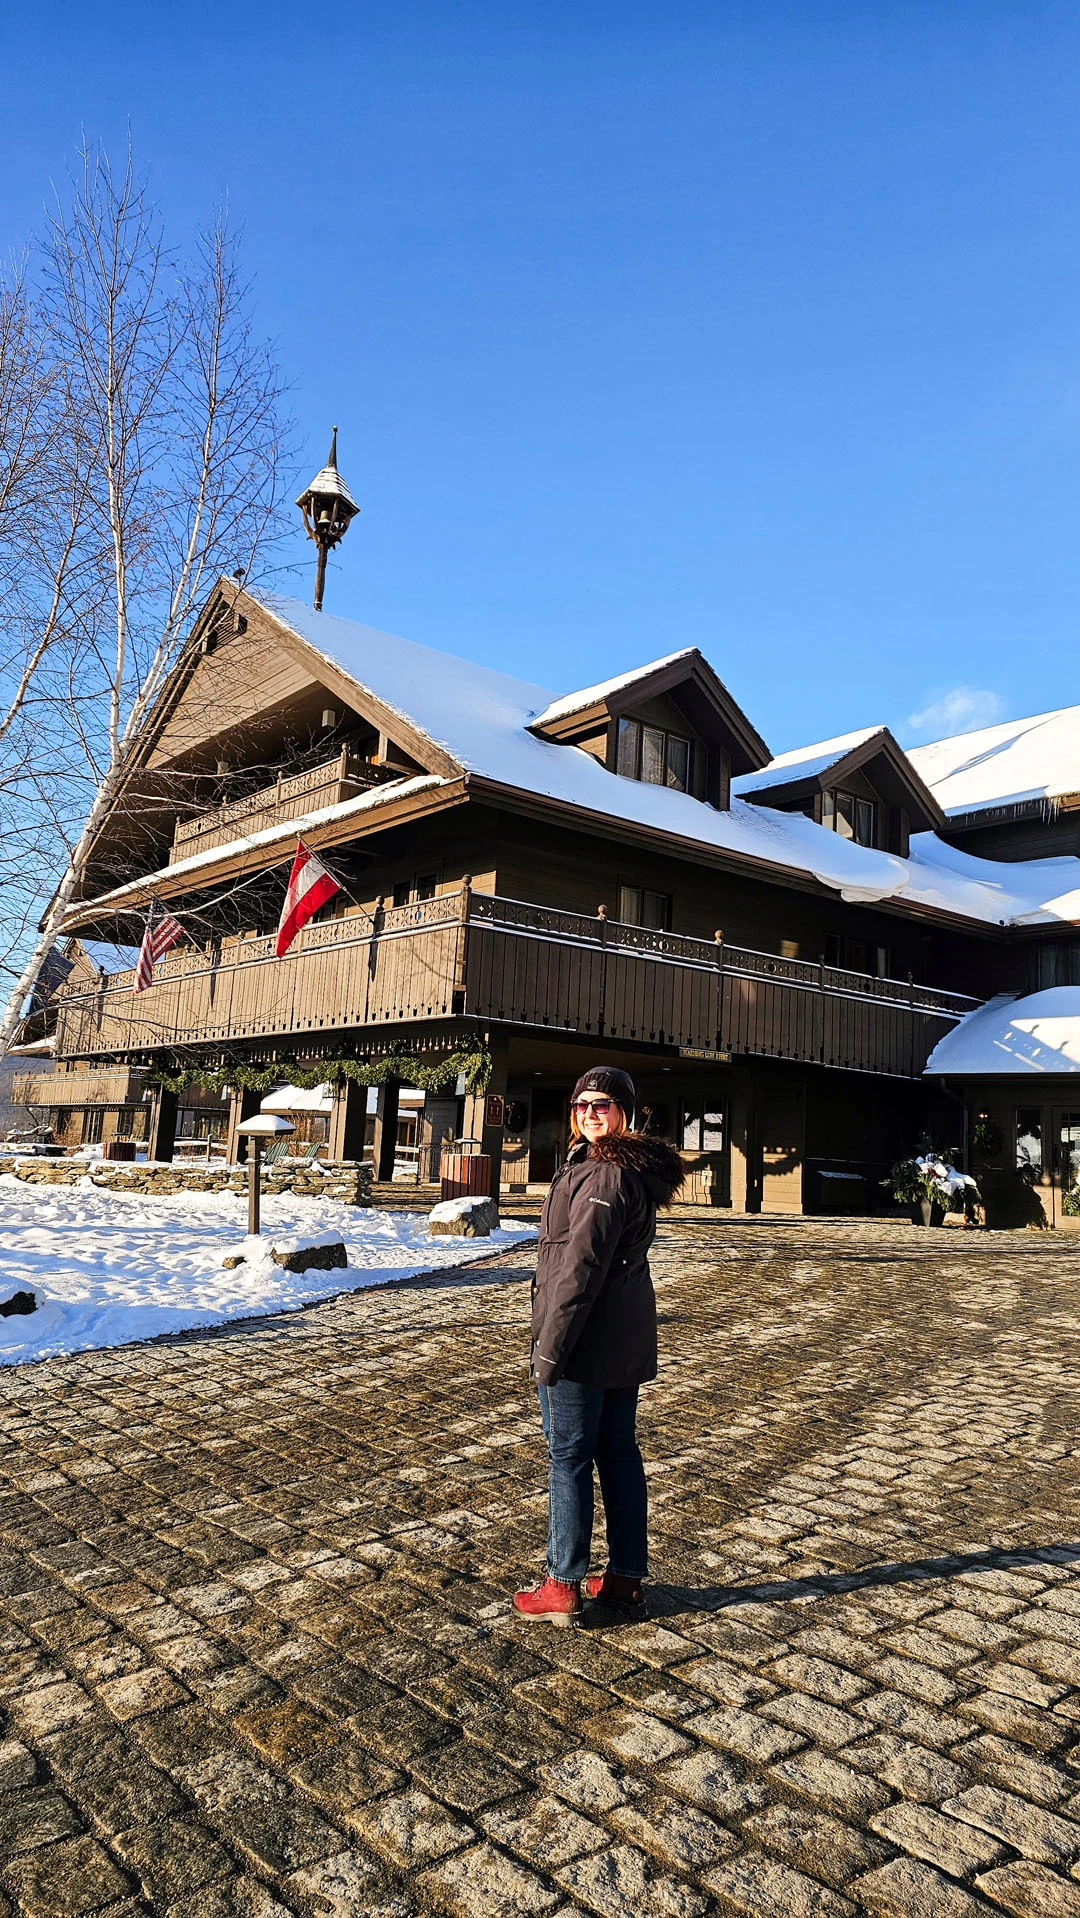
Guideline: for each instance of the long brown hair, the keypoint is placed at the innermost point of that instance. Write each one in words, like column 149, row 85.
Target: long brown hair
column 576, row 1132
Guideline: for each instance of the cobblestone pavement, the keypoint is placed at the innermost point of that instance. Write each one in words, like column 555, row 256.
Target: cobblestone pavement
column 256, row 1657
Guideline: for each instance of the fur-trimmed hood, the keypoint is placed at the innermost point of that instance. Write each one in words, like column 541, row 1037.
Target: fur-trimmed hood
column 655, row 1160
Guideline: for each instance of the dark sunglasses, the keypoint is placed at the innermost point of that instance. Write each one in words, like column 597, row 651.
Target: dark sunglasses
column 599, row 1106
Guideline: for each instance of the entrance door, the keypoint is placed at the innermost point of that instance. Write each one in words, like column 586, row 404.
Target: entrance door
column 549, row 1130
column 782, row 1127
column 1066, row 1137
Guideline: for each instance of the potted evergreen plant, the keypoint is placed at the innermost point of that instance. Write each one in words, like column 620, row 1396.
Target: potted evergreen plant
column 910, row 1184
column 931, row 1186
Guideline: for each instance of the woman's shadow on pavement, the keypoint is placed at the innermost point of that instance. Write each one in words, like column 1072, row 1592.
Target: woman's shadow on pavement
column 670, row 1602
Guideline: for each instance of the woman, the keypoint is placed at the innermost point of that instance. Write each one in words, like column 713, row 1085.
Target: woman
column 594, row 1344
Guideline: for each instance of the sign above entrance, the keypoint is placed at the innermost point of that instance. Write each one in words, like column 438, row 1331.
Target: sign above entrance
column 703, row 1052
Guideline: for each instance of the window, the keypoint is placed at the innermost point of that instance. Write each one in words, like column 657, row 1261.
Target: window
column 851, row 817
column 650, row 754
column 195, row 1122
column 1029, row 1151
column 422, row 888
column 702, row 1126
column 91, row 1126
column 853, row 955
column 637, row 907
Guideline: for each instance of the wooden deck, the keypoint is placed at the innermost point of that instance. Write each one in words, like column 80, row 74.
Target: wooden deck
column 503, row 961
column 340, row 778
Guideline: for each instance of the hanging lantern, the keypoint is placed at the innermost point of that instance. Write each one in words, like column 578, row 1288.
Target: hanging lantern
column 327, row 507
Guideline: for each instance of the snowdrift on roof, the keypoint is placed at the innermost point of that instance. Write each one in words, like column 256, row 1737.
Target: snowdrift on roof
column 1003, row 765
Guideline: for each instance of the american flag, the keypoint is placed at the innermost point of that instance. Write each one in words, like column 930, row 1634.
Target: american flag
column 162, row 931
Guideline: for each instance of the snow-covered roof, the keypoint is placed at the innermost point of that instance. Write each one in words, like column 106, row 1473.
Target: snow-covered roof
column 298, row 1099
column 804, row 762
column 1003, row 765
column 1039, row 1033
column 605, row 689
column 480, row 718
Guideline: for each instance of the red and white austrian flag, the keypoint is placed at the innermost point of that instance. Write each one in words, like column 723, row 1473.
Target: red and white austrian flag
column 162, row 931
column 310, row 886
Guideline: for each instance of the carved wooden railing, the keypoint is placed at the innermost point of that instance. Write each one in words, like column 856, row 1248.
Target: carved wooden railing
column 503, row 960
column 288, row 798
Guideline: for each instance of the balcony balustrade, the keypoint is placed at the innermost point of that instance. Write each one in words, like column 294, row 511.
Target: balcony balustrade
column 288, row 798
column 116, row 1086
column 467, row 954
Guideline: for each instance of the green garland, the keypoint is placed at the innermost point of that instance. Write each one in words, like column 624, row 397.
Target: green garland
column 428, row 1075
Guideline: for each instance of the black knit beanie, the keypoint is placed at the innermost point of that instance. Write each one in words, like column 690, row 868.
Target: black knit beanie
column 618, row 1086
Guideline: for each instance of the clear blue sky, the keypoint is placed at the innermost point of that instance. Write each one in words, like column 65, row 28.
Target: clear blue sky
column 751, row 327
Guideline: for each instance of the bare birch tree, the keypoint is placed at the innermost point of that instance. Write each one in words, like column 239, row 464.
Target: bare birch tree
column 144, row 441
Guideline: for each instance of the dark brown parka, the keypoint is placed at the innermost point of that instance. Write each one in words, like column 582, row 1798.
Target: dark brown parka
column 594, row 1312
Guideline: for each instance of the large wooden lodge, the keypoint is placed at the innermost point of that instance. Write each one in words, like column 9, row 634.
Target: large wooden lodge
column 773, row 947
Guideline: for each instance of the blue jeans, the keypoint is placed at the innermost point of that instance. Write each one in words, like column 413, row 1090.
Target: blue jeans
column 584, row 1424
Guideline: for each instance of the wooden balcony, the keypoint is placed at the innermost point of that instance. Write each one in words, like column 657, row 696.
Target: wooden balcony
column 340, row 778
column 117, row 1086
column 469, row 954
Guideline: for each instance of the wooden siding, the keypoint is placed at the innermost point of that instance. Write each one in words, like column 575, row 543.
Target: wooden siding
column 243, row 677
column 500, row 960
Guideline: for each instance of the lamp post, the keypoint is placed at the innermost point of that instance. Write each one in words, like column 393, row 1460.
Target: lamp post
column 327, row 507
column 265, row 1125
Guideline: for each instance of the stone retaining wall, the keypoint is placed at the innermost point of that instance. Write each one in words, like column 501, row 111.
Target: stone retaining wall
column 343, row 1179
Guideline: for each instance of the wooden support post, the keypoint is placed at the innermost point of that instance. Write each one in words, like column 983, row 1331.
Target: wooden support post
column 254, row 1183
column 162, row 1141
column 494, row 1109
column 602, row 934
column 386, row 1124
column 348, row 1121
column 745, row 1148
column 242, row 1105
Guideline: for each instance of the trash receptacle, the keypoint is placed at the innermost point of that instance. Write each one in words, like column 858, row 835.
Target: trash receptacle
column 123, row 1149
column 465, row 1173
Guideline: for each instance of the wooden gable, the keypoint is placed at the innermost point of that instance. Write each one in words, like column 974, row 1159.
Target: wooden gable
column 246, row 700
column 681, row 694
column 878, row 769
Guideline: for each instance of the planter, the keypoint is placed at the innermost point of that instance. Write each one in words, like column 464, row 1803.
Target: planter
column 926, row 1212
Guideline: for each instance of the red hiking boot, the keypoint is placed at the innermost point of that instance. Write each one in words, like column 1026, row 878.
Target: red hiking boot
column 552, row 1603
column 616, row 1591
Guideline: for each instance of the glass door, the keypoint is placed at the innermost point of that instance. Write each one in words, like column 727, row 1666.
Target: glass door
column 1067, row 1168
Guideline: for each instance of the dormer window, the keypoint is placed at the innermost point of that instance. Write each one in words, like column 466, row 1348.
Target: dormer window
column 652, row 754
column 850, row 816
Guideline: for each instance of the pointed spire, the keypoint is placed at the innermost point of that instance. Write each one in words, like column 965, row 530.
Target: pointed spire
column 328, row 482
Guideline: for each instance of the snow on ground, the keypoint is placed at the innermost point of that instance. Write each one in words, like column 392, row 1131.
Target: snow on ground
column 110, row 1267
